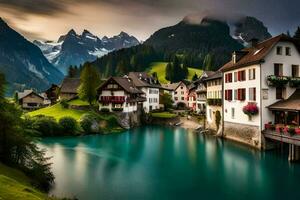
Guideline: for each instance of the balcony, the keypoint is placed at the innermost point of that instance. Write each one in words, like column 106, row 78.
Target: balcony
column 112, row 99
column 294, row 82
column 201, row 89
column 277, row 81
column 214, row 102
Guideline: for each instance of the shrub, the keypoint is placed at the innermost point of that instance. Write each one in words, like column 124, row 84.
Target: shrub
column 68, row 125
column 117, row 109
column 218, row 119
column 46, row 126
column 89, row 123
column 64, row 103
column 104, row 110
column 292, row 131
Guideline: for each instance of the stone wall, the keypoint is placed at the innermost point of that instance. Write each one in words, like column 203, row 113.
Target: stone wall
column 129, row 120
column 247, row 134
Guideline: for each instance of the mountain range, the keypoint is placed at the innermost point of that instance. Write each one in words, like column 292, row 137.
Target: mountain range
column 23, row 63
column 193, row 41
column 76, row 49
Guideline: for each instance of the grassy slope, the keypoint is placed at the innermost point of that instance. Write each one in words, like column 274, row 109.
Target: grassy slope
column 160, row 67
column 164, row 115
column 15, row 185
column 57, row 111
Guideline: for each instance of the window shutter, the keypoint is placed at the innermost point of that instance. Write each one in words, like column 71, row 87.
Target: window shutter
column 254, row 94
column 239, row 75
column 226, row 95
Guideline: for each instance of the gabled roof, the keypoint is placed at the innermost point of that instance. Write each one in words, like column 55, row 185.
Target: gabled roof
column 70, row 85
column 126, row 83
column 142, row 79
column 215, row 75
column 256, row 54
column 172, row 86
column 290, row 104
column 25, row 93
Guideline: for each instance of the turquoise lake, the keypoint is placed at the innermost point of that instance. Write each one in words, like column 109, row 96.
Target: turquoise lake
column 167, row 163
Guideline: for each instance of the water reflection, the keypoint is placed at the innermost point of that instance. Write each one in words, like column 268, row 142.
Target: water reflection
column 165, row 163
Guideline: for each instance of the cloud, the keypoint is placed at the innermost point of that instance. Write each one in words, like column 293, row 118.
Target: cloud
column 41, row 7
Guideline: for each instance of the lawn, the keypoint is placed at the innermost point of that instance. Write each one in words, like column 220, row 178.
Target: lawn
column 160, row 69
column 15, row 185
column 78, row 102
column 164, row 115
column 57, row 111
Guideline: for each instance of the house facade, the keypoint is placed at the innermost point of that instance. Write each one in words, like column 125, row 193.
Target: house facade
column 30, row 100
column 179, row 92
column 68, row 89
column 255, row 79
column 119, row 94
column 150, row 86
column 214, row 101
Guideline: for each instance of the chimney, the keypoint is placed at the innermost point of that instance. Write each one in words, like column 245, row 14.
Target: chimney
column 237, row 55
column 253, row 42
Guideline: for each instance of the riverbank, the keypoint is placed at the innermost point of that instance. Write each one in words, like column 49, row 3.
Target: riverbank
column 15, row 185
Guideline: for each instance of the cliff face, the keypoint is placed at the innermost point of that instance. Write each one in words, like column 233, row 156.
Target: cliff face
column 248, row 28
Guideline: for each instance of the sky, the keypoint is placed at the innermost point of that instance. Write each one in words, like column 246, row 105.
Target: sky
column 48, row 19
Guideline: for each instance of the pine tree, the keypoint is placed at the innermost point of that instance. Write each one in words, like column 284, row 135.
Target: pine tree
column 207, row 63
column 185, row 71
column 169, row 72
column 195, row 77
column 89, row 82
column 297, row 33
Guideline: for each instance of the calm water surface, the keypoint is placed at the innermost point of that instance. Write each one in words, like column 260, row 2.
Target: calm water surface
column 166, row 163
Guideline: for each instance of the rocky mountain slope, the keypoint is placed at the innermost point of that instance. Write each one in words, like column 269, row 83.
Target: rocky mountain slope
column 75, row 49
column 23, row 63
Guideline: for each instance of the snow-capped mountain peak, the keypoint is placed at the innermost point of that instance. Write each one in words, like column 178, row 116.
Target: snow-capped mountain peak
column 75, row 49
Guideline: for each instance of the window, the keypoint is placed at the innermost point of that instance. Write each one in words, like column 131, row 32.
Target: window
column 176, row 98
column 280, row 93
column 232, row 113
column 210, row 114
column 278, row 69
column 181, row 87
column 182, row 92
column 235, row 94
column 251, row 74
column 235, row 76
column 228, row 95
column 228, row 78
column 176, row 92
column 287, row 51
column 242, row 75
column 279, row 50
column 295, row 71
column 252, row 94
column 242, row 94
column 182, row 98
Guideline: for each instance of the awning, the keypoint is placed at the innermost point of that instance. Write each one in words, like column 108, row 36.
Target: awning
column 290, row 104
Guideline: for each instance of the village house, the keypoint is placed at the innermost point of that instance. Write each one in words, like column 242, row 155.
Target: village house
column 214, row 101
column 68, row 89
column 121, row 95
column 260, row 89
column 150, row 86
column 179, row 92
column 28, row 99
column 52, row 93
column 192, row 99
column 201, row 92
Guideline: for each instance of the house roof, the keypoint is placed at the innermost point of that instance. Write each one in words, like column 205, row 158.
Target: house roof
column 290, row 104
column 142, row 79
column 124, row 82
column 70, row 85
column 25, row 93
column 215, row 75
column 256, row 54
column 171, row 86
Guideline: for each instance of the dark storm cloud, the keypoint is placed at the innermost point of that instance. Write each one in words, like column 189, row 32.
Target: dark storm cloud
column 278, row 15
column 43, row 7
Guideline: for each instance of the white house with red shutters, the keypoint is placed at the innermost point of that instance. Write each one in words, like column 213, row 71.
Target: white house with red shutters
column 262, row 76
column 119, row 94
column 179, row 92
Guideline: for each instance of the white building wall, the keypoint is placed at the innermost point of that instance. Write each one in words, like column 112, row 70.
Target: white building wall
column 213, row 92
column 267, row 68
column 152, row 96
column 237, row 105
